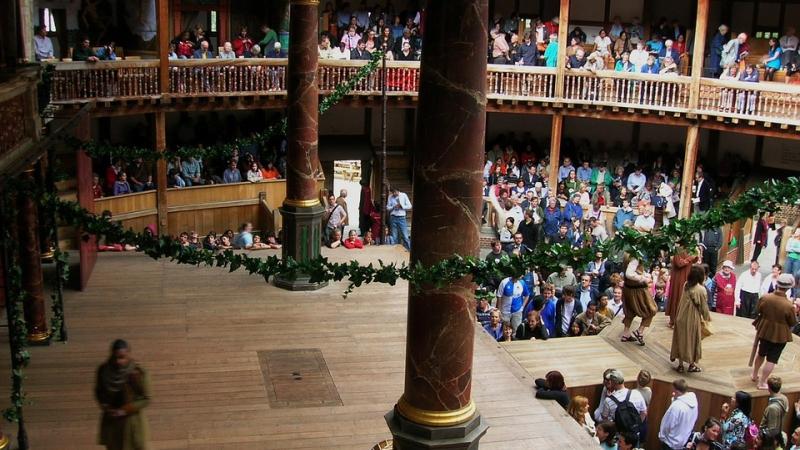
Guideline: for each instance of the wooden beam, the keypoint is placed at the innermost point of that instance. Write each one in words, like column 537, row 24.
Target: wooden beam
column 555, row 150
column 561, row 64
column 689, row 164
column 162, row 14
column 700, row 32
column 161, row 172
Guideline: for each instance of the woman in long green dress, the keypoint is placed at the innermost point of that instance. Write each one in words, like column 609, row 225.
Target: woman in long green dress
column 122, row 390
column 692, row 310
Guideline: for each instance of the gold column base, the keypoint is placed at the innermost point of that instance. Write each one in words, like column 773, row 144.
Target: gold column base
column 301, row 203
column 36, row 338
column 3, row 442
column 436, row 418
column 48, row 255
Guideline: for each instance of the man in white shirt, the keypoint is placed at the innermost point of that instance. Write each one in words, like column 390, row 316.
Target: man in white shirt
column 512, row 296
column 678, row 422
column 747, row 290
column 397, row 205
column 615, row 387
column 644, row 222
column 43, row 46
column 636, row 181
column 639, row 56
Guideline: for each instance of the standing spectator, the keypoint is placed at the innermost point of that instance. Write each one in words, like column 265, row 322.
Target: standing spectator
column 789, row 46
column 551, row 52
column 793, row 254
column 777, row 407
column 567, row 309
column 495, row 326
column 711, row 243
column 618, row 396
column 341, row 200
column 776, row 318
column 528, row 52
column 724, row 286
column 500, row 47
column 622, row 45
column 97, row 189
column 270, row 37
column 707, row 438
column 692, row 311
column 579, row 410
column 731, row 53
column 591, row 321
column 771, row 281
column 681, row 266
column 123, row 390
column 702, row 192
column 398, row 204
column 678, row 422
column 760, row 237
column 587, row 293
column 715, row 57
column 512, row 296
column 203, row 52
column 42, row 45
column 532, row 328
column 736, row 422
column 243, row 45
column 607, row 435
column 746, row 293
column 336, row 217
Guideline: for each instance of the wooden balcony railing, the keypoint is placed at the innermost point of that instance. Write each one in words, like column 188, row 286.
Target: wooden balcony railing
column 196, row 77
column 662, row 92
column 769, row 102
column 20, row 126
column 80, row 81
column 521, row 82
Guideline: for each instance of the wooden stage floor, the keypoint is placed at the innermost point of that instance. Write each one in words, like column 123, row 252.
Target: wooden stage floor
column 199, row 330
column 724, row 363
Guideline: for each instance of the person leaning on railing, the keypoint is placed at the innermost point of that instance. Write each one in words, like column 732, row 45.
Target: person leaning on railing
column 84, row 51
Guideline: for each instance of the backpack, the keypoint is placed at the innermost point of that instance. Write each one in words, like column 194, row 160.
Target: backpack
column 627, row 417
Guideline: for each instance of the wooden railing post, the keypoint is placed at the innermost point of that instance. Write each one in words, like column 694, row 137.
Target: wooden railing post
column 689, row 164
column 163, row 45
column 555, row 150
column 698, row 55
column 161, row 173
column 563, row 31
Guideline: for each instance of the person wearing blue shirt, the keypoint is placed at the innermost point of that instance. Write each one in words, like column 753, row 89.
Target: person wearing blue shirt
column 565, row 169
column 552, row 218
column 232, row 173
column 584, row 172
column 651, row 66
column 397, row 205
column 625, row 213
column 495, row 326
column 245, row 237
column 549, row 310
column 512, row 297
column 655, row 44
column 573, row 210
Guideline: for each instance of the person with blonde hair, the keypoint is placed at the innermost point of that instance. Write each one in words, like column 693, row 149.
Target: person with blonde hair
column 579, row 410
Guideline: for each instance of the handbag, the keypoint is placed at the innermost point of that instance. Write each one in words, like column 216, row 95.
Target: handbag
column 706, row 329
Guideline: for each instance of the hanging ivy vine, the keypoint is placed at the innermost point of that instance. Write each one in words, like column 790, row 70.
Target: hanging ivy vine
column 224, row 150
column 546, row 258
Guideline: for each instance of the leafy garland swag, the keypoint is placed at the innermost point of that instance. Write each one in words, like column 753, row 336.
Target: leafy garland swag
column 224, row 150
column 545, row 257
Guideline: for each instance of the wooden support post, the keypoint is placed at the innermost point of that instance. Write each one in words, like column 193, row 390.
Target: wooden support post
column 561, row 64
column 698, row 55
column 162, row 14
column 555, row 150
column 161, row 173
column 689, row 165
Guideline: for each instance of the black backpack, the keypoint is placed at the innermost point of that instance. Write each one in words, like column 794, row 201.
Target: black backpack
column 627, row 417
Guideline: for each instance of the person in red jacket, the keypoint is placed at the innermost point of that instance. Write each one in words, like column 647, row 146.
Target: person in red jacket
column 243, row 45
column 352, row 241
column 724, row 286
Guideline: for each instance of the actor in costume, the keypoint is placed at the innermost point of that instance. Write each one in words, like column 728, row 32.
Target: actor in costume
column 776, row 318
column 637, row 301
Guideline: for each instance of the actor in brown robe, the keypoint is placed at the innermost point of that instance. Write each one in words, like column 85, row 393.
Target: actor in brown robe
column 681, row 265
column 774, row 324
column 693, row 309
column 637, row 301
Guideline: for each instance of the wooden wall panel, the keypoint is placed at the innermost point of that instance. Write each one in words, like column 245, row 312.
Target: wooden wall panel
column 123, row 204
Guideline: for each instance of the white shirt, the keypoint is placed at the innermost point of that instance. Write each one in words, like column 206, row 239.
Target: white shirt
column 747, row 282
column 608, row 407
column 602, row 44
column 402, row 199
column 638, row 59
column 678, row 422
column 769, row 282
column 566, row 319
column 645, row 223
column 636, row 182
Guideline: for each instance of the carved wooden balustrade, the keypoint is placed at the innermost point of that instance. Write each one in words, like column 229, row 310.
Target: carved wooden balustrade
column 76, row 82
column 80, row 81
column 637, row 90
column 19, row 118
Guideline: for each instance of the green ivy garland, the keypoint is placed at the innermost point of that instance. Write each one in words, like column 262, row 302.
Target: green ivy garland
column 546, row 258
column 18, row 333
column 222, row 151
column 61, row 260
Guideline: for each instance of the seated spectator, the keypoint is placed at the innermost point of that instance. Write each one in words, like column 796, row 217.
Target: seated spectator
column 243, row 45
column 645, row 222
column 552, row 387
column 624, row 64
column 84, row 51
column 183, row 239
column 245, row 237
column 669, row 67
column 578, row 61
column 210, row 241
column 184, row 47
column 121, row 186
column 352, row 241
column 602, row 43
column 651, row 66
column 639, row 56
column 106, row 52
column 335, row 238
column 203, row 52
column 324, row 50
column 191, row 171
column 669, row 51
column 270, row 172
column 227, row 51
column 579, row 410
column 254, row 174
column 406, row 53
column 174, row 179
column 257, row 244
column 97, row 189
column 602, row 307
column 595, row 62
column 607, row 435
column 532, row 328
column 495, row 326
column 276, row 52
column 232, row 173
column 272, row 241
column 772, row 60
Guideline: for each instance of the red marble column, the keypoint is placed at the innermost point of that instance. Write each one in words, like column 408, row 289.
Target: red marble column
column 301, row 210
column 302, row 160
column 447, row 191
column 31, row 265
